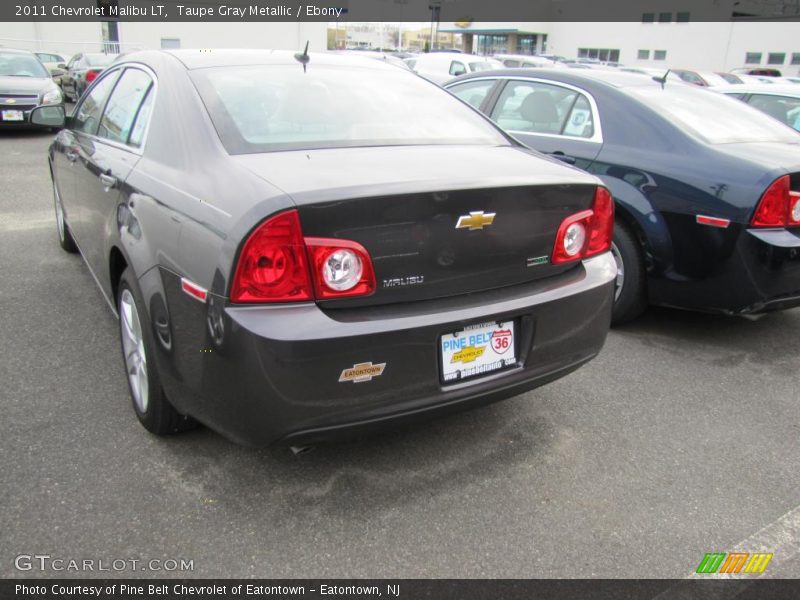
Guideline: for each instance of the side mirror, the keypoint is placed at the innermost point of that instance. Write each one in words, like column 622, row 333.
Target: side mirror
column 62, row 66
column 49, row 116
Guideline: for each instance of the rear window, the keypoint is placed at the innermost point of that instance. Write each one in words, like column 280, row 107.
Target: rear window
column 272, row 108
column 99, row 60
column 712, row 117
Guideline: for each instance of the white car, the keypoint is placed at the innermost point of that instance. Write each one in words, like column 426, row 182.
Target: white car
column 527, row 61
column 781, row 102
column 439, row 67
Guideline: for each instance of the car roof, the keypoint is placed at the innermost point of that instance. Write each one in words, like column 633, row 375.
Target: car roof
column 200, row 59
column 610, row 77
column 764, row 88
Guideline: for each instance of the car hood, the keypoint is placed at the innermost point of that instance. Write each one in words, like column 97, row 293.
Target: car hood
column 25, row 85
column 313, row 175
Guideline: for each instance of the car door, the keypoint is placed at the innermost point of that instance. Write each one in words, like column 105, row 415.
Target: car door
column 552, row 118
column 107, row 156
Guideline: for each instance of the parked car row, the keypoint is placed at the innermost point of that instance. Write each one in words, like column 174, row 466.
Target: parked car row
column 706, row 189
column 291, row 265
column 29, row 79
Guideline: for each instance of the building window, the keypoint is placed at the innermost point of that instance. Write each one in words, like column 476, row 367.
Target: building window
column 665, row 17
column 643, row 55
column 601, row 54
column 648, row 17
column 776, row 58
column 682, row 17
column 752, row 58
column 526, row 44
column 796, row 58
column 659, row 55
column 492, row 44
column 170, row 43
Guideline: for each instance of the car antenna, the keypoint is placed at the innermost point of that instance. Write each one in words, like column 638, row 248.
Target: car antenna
column 303, row 58
column 663, row 79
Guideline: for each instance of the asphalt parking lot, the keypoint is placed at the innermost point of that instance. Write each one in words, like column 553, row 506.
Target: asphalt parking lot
column 681, row 438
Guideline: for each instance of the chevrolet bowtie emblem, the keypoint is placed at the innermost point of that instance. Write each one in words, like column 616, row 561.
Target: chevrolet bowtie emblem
column 10, row 101
column 475, row 220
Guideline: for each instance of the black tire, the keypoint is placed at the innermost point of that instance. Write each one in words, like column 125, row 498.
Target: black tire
column 630, row 300
column 65, row 239
column 153, row 410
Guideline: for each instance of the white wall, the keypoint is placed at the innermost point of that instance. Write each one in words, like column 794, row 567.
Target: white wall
column 64, row 38
column 280, row 36
column 69, row 38
column 694, row 45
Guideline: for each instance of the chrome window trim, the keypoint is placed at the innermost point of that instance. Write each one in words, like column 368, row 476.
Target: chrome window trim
column 596, row 138
column 139, row 151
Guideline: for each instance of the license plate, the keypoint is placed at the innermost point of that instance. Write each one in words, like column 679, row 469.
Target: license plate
column 13, row 115
column 477, row 350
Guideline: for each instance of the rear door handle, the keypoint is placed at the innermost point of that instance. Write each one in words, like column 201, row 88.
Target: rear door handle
column 108, row 181
column 570, row 160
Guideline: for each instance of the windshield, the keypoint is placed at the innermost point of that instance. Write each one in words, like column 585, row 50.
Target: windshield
column 99, row 60
column 269, row 108
column 713, row 117
column 21, row 65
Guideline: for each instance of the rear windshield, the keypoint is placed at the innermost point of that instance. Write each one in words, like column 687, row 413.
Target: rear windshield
column 270, row 108
column 99, row 60
column 21, row 65
column 713, row 117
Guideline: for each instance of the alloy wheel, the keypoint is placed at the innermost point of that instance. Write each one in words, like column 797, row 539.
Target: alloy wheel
column 133, row 350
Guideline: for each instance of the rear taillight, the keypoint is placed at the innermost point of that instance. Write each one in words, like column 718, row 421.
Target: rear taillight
column 91, row 76
column 588, row 232
column 277, row 264
column 340, row 268
column 779, row 206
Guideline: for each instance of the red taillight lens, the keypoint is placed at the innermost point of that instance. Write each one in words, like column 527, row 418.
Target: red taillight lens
column 588, row 232
column 274, row 265
column 601, row 232
column 91, row 76
column 776, row 206
column 340, row 268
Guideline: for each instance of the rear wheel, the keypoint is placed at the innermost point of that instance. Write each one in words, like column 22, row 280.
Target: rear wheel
column 150, row 403
column 630, row 298
column 65, row 239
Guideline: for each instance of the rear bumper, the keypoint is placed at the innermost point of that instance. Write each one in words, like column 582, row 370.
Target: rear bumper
column 271, row 374
column 759, row 271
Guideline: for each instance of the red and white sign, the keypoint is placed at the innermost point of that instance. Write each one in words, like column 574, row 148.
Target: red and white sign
column 502, row 340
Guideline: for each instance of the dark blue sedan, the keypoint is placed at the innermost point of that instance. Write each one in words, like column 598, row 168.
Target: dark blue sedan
column 706, row 188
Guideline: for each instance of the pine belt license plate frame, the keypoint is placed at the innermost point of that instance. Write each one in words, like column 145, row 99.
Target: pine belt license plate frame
column 486, row 335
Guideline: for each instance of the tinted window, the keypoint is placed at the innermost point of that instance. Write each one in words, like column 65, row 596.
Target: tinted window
column 540, row 108
column 784, row 108
column 87, row 116
column 142, row 119
column 457, row 68
column 121, row 109
column 473, row 92
column 99, row 60
column 711, row 117
column 267, row 108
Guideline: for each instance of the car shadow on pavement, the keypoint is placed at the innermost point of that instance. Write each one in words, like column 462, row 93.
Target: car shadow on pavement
column 371, row 474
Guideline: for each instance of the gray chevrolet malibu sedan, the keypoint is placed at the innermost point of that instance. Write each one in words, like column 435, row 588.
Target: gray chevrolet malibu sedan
column 301, row 247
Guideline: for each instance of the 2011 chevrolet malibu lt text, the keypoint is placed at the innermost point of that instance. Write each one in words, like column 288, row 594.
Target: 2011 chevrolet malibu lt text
column 301, row 247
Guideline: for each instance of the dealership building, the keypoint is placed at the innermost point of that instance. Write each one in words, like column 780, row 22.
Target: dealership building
column 666, row 38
